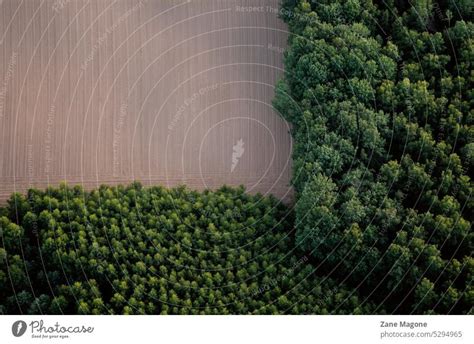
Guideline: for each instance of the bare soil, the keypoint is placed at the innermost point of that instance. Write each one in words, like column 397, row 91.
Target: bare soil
column 164, row 92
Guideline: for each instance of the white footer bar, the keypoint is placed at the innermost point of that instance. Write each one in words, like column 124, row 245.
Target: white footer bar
column 236, row 329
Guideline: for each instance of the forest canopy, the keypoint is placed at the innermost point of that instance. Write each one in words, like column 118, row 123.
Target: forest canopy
column 380, row 95
column 135, row 250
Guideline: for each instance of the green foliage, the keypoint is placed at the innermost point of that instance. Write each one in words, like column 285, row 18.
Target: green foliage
column 132, row 250
column 380, row 97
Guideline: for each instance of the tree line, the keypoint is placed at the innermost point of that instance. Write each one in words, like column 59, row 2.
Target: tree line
column 136, row 250
column 379, row 94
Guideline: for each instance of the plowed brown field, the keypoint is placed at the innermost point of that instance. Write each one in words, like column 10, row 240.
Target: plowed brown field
column 166, row 92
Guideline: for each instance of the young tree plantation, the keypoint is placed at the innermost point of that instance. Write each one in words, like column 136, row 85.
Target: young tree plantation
column 135, row 250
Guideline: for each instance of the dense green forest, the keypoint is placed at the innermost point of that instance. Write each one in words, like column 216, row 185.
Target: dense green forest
column 135, row 250
column 380, row 97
